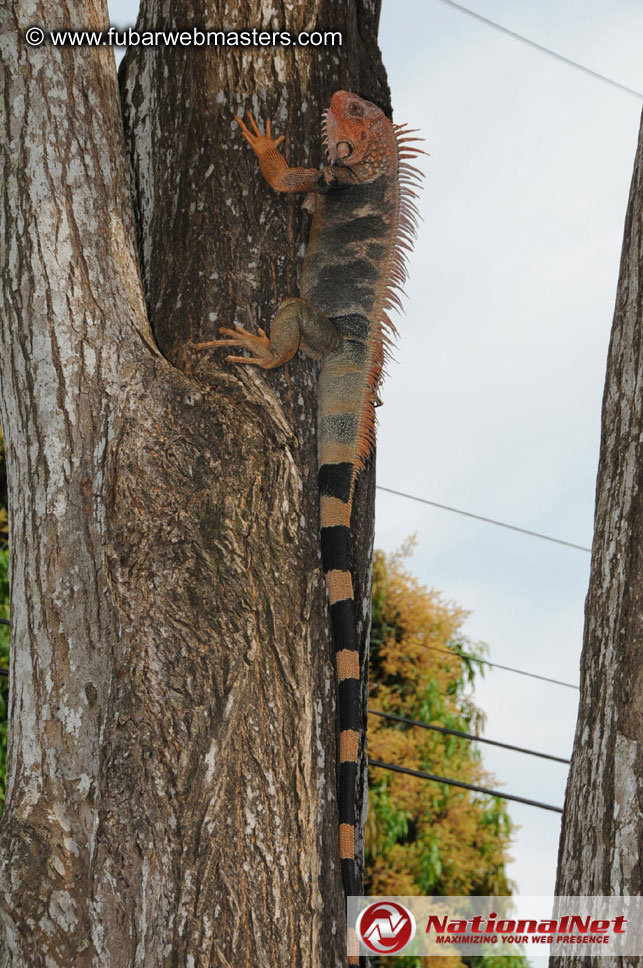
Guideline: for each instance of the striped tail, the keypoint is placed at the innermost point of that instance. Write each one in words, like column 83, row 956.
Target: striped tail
column 336, row 494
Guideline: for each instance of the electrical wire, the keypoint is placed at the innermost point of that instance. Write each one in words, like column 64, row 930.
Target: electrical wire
column 461, row 783
column 541, row 47
column 468, row 514
column 469, row 736
column 480, row 517
column 496, row 665
column 463, row 656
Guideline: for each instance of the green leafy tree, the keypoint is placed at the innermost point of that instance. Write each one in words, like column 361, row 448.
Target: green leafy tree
column 425, row 838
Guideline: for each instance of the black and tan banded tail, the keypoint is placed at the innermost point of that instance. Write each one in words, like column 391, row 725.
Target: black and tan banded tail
column 375, row 238
column 336, row 491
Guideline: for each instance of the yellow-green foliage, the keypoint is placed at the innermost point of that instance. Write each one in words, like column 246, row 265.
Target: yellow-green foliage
column 425, row 838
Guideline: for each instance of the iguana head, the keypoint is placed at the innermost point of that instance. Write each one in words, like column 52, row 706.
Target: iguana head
column 359, row 136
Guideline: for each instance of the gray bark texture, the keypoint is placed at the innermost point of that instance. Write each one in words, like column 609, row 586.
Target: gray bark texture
column 602, row 833
column 171, row 787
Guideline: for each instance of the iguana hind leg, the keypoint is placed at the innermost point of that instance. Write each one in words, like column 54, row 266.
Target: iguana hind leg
column 298, row 324
column 257, row 343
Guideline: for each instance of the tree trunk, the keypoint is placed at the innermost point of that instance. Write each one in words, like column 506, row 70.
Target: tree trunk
column 171, row 795
column 600, row 848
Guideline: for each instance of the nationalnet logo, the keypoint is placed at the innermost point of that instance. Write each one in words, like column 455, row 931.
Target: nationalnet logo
column 385, row 927
column 499, row 926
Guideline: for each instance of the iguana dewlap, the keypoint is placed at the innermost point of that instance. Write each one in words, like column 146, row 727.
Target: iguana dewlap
column 363, row 225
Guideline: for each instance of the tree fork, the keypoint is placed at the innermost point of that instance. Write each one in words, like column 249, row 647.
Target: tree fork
column 172, row 726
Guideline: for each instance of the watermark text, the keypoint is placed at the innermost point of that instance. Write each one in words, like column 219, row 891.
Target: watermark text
column 194, row 37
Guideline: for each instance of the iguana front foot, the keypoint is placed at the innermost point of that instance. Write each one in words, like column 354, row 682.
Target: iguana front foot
column 256, row 343
column 262, row 144
column 273, row 165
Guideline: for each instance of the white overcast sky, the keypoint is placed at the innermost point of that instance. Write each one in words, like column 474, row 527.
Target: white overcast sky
column 494, row 405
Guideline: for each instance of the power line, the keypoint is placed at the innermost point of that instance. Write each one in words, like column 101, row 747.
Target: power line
column 497, row 665
column 437, row 729
column 470, row 736
column 477, row 517
column 461, row 783
column 480, row 517
column 542, row 48
column 454, row 655
column 443, row 779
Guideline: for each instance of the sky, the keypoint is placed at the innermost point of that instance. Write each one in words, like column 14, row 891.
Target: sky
column 494, row 403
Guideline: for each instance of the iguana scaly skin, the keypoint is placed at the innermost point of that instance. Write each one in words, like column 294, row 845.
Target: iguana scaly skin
column 363, row 224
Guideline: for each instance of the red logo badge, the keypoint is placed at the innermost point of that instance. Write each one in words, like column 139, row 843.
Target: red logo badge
column 385, row 927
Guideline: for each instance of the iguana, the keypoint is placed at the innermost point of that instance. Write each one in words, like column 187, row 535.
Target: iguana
column 363, row 225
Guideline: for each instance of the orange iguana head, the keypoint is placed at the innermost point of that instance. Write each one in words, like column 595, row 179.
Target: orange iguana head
column 359, row 136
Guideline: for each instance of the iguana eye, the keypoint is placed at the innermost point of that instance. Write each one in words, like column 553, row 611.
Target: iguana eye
column 356, row 110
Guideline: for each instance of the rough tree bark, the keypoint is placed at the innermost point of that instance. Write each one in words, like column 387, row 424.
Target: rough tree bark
column 600, row 848
column 171, row 791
